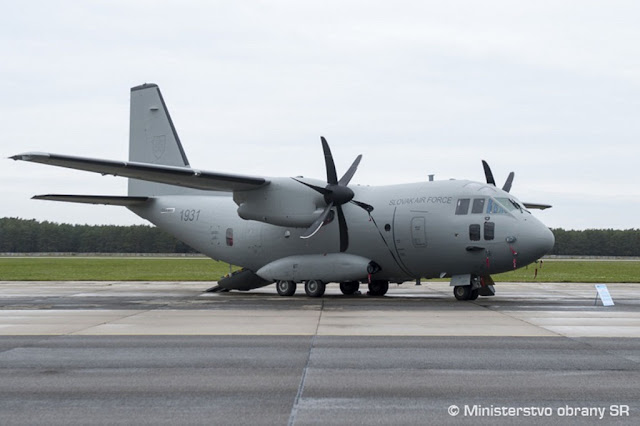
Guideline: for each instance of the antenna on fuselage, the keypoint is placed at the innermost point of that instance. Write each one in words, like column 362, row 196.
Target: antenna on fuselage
column 431, row 178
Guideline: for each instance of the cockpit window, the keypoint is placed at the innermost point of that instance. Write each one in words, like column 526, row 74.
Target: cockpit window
column 493, row 207
column 463, row 206
column 478, row 206
column 508, row 204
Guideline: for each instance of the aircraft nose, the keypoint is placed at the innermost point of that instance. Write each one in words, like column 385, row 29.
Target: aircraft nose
column 542, row 239
column 548, row 240
column 537, row 240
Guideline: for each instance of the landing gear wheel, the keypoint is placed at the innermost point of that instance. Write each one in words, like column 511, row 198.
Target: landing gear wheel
column 314, row 288
column 378, row 287
column 349, row 287
column 286, row 288
column 462, row 292
column 474, row 294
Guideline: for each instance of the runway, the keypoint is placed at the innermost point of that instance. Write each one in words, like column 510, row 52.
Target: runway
column 166, row 353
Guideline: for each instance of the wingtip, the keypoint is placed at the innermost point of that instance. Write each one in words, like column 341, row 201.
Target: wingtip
column 26, row 156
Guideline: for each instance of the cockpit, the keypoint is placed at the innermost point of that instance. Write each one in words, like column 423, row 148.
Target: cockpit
column 488, row 205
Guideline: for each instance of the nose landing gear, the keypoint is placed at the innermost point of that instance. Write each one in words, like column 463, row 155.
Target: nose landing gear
column 465, row 292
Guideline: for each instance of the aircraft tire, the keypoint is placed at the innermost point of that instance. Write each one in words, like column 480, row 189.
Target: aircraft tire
column 462, row 292
column 474, row 294
column 349, row 287
column 314, row 288
column 378, row 287
column 286, row 288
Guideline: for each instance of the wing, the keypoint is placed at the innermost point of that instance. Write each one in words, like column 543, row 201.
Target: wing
column 172, row 175
column 109, row 200
column 537, row 206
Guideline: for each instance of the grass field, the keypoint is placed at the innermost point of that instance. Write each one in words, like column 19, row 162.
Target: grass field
column 203, row 269
column 111, row 269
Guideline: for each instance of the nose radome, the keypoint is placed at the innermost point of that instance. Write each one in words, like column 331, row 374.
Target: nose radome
column 544, row 240
column 550, row 240
column 540, row 239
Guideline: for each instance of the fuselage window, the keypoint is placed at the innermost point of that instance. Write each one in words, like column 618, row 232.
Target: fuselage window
column 463, row 206
column 229, row 237
column 478, row 205
column 489, row 230
column 474, row 232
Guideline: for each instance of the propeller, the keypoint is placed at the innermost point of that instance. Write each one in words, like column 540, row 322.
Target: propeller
column 507, row 186
column 491, row 181
column 336, row 193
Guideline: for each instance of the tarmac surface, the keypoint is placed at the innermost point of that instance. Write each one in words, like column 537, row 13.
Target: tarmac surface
column 167, row 353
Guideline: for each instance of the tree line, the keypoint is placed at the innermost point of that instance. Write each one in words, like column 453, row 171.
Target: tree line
column 31, row 236
column 597, row 242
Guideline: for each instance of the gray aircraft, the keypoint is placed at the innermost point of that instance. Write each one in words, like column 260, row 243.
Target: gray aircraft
column 302, row 230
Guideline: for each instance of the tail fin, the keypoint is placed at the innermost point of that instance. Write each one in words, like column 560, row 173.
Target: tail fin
column 153, row 139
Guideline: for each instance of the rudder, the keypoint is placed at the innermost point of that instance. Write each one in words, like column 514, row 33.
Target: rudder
column 153, row 139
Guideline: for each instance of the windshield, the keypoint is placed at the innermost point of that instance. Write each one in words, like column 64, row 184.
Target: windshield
column 509, row 204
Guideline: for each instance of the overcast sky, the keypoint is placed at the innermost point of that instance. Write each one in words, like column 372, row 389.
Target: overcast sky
column 548, row 89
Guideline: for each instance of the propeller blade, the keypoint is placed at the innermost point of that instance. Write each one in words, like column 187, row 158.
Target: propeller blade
column 507, row 184
column 323, row 191
column 362, row 205
column 332, row 176
column 488, row 174
column 344, row 230
column 344, row 180
column 317, row 224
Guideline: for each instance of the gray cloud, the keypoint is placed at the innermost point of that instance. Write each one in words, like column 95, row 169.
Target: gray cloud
column 548, row 89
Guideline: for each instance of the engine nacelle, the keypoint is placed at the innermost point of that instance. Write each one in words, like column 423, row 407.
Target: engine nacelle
column 284, row 202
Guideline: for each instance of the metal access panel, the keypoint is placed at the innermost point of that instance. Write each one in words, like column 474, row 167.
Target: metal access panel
column 419, row 232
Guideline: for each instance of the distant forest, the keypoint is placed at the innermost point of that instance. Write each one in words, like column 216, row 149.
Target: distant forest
column 31, row 236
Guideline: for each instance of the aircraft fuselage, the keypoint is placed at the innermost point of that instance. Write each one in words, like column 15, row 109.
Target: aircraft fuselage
column 415, row 230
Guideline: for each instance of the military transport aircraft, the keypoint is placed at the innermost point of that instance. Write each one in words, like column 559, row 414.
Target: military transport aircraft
column 302, row 230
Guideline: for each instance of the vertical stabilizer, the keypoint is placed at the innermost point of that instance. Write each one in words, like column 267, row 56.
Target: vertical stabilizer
column 153, row 139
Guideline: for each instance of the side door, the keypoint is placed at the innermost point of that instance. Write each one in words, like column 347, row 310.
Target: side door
column 410, row 240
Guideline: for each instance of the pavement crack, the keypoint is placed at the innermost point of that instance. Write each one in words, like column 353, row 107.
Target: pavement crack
column 109, row 321
column 303, row 379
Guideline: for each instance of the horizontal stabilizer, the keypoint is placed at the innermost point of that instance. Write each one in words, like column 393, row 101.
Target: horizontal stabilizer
column 172, row 175
column 94, row 199
column 537, row 206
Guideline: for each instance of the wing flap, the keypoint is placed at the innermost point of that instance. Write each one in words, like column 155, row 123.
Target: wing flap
column 94, row 199
column 172, row 175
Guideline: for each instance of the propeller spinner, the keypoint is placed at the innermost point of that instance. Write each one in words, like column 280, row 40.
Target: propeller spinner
column 336, row 193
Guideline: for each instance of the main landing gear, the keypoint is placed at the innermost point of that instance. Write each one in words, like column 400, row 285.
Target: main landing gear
column 313, row 288
column 286, row 288
column 378, row 287
column 350, row 287
column 316, row 288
